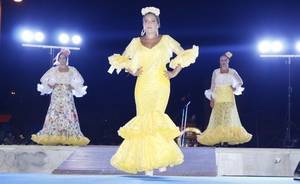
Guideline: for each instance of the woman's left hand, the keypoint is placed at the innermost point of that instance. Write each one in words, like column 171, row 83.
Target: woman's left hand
column 70, row 87
column 170, row 74
column 173, row 73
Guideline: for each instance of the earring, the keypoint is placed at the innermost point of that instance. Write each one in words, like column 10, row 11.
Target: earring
column 142, row 32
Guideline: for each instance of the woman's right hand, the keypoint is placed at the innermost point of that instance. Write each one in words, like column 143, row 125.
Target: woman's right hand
column 212, row 103
column 52, row 86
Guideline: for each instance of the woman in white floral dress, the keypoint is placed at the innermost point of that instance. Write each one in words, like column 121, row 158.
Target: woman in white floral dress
column 61, row 124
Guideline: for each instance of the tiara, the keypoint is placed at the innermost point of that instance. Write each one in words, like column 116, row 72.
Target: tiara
column 151, row 9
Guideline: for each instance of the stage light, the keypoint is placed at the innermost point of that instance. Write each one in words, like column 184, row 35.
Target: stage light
column 27, row 36
column 76, row 39
column 297, row 46
column 39, row 36
column 264, row 46
column 18, row 1
column 64, row 38
column 277, row 46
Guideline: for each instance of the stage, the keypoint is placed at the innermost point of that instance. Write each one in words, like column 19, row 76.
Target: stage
column 199, row 161
column 121, row 179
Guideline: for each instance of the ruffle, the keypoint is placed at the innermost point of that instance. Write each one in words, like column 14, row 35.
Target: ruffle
column 186, row 58
column 58, row 139
column 117, row 62
column 224, row 133
column 44, row 89
column 150, row 124
column 147, row 153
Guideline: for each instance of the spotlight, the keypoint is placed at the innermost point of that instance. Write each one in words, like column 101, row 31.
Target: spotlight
column 76, row 39
column 64, row 38
column 277, row 46
column 39, row 36
column 27, row 36
column 297, row 46
column 264, row 46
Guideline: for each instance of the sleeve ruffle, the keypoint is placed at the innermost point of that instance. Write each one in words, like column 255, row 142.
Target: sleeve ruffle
column 46, row 80
column 79, row 90
column 185, row 58
column 209, row 94
column 238, row 89
column 118, row 62
column 44, row 89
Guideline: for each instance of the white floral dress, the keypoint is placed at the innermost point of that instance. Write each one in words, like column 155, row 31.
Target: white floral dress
column 61, row 124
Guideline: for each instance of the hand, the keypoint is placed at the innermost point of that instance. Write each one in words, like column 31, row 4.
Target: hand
column 173, row 73
column 233, row 89
column 169, row 74
column 70, row 87
column 52, row 86
column 212, row 103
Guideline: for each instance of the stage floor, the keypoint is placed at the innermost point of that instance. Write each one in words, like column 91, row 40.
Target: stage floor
column 121, row 179
column 199, row 161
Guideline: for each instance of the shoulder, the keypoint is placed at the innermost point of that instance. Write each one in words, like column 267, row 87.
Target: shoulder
column 52, row 69
column 217, row 70
column 135, row 39
column 170, row 40
column 231, row 70
column 167, row 37
column 73, row 69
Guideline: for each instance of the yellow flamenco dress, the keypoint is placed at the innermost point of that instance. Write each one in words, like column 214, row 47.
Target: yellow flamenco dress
column 149, row 137
column 224, row 124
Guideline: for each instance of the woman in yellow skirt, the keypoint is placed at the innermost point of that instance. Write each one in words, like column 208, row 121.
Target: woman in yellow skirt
column 224, row 123
column 149, row 137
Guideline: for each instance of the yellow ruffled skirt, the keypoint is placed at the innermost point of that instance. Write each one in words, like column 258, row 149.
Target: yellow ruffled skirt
column 224, row 123
column 62, row 140
column 149, row 137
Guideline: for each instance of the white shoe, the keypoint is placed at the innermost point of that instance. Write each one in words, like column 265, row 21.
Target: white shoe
column 163, row 169
column 149, row 173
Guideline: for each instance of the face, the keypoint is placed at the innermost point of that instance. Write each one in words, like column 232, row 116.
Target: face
column 150, row 23
column 224, row 62
column 62, row 60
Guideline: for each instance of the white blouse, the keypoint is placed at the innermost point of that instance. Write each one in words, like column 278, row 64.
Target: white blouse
column 231, row 78
column 53, row 76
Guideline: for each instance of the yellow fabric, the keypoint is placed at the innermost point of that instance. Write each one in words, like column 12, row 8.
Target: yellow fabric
column 223, row 133
column 223, row 94
column 149, row 137
column 224, row 123
column 55, row 140
column 186, row 58
column 118, row 61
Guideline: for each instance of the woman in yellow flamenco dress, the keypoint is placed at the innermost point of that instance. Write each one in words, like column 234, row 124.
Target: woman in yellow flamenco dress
column 224, row 124
column 149, row 137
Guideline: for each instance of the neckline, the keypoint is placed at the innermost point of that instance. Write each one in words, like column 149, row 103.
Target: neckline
column 64, row 71
column 224, row 72
column 150, row 48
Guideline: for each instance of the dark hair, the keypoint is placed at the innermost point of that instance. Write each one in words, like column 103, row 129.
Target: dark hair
column 156, row 17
